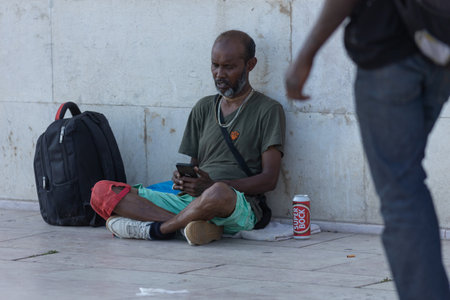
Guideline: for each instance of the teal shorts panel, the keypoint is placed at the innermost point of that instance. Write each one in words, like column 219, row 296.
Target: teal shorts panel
column 242, row 217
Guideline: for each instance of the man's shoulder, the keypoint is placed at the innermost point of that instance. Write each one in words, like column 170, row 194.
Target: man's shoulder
column 205, row 101
column 266, row 101
column 264, row 97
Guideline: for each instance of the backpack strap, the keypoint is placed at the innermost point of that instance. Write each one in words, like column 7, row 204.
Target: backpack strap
column 74, row 110
column 102, row 145
column 104, row 128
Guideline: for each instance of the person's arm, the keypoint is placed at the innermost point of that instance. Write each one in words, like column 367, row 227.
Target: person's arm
column 266, row 180
column 331, row 16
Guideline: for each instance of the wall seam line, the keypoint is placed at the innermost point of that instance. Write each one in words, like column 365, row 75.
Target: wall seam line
column 50, row 2
column 290, row 31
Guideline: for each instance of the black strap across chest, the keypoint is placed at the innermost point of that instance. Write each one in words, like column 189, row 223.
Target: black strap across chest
column 237, row 155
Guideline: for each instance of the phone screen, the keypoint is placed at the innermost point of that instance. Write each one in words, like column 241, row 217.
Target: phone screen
column 186, row 170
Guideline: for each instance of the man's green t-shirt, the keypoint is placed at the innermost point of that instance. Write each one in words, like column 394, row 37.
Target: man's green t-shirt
column 259, row 125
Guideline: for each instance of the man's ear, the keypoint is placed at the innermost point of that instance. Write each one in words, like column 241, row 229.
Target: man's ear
column 251, row 63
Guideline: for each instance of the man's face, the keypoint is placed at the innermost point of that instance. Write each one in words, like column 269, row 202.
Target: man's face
column 228, row 68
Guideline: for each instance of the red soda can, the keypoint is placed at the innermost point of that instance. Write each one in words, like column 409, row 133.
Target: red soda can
column 301, row 217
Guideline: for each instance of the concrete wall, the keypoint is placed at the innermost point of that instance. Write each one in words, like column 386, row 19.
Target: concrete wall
column 144, row 63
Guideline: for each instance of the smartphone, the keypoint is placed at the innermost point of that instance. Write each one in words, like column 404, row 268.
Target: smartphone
column 186, row 170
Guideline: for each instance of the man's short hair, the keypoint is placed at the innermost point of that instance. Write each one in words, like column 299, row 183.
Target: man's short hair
column 244, row 38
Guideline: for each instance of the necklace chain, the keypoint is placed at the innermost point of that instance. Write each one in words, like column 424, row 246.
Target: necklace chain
column 237, row 113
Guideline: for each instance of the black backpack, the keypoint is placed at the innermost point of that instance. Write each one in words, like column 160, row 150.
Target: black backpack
column 71, row 156
column 428, row 22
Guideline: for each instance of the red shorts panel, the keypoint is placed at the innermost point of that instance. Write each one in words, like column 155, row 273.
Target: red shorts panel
column 104, row 199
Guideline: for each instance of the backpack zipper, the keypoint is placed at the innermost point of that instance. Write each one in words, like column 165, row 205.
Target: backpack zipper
column 45, row 179
column 61, row 133
column 63, row 149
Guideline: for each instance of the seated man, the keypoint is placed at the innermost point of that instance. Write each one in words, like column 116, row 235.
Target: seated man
column 223, row 198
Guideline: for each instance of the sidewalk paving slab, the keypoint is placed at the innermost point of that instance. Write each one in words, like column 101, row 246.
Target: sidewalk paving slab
column 40, row 261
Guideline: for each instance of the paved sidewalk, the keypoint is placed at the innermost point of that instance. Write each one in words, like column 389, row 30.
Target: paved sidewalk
column 39, row 261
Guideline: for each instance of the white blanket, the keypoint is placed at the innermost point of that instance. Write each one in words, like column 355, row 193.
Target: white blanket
column 274, row 231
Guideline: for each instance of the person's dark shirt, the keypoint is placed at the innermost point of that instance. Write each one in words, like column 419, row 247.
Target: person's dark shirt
column 376, row 36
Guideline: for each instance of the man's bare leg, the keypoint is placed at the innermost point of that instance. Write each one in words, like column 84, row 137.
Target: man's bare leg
column 217, row 201
column 135, row 207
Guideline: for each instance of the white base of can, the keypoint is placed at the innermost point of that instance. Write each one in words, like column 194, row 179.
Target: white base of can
column 304, row 237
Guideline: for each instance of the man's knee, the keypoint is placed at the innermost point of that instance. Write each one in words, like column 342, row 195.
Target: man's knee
column 219, row 197
column 104, row 199
column 218, row 191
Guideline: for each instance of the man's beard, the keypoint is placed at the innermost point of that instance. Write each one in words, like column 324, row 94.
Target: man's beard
column 233, row 91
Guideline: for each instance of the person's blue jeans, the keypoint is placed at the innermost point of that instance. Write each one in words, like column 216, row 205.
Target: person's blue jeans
column 397, row 106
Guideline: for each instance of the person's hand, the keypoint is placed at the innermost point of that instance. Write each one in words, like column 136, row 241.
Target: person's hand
column 190, row 185
column 177, row 182
column 295, row 78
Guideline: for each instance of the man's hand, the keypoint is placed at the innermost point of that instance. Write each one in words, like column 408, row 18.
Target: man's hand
column 296, row 76
column 192, row 186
